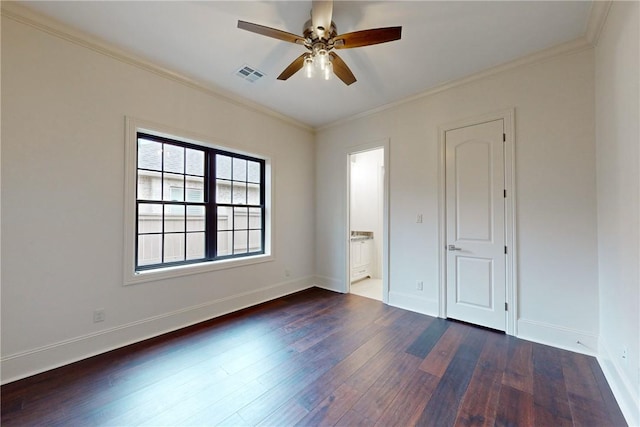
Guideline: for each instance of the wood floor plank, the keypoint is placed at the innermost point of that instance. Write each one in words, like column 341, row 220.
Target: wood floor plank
column 609, row 401
column 320, row 358
column 438, row 359
column 408, row 405
column 443, row 405
column 585, row 398
column 354, row 419
column 515, row 408
column 425, row 342
column 480, row 401
column 519, row 371
column 384, row 338
column 551, row 405
column 383, row 391
column 332, row 408
column 285, row 415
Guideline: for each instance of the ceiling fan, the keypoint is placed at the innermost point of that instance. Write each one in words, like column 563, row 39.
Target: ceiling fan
column 320, row 39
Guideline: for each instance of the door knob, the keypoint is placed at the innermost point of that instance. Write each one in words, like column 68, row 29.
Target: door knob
column 453, row 248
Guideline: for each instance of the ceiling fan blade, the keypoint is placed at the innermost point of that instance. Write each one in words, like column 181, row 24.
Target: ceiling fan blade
column 293, row 68
column 321, row 15
column 270, row 32
column 341, row 69
column 367, row 37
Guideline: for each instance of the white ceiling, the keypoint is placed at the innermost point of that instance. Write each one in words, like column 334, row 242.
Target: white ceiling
column 441, row 41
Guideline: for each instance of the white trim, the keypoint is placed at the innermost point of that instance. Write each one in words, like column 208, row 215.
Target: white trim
column 329, row 283
column 414, row 303
column 597, row 18
column 511, row 273
column 623, row 391
column 23, row 364
column 130, row 276
column 557, row 336
column 385, row 145
column 24, row 15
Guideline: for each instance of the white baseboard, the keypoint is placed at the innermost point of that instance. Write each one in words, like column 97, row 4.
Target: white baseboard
column 31, row 362
column 414, row 303
column 621, row 386
column 557, row 336
column 329, row 283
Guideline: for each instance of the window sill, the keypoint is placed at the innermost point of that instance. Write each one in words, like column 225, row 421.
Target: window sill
column 186, row 270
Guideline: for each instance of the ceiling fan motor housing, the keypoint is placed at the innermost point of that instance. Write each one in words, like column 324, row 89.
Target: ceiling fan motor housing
column 312, row 36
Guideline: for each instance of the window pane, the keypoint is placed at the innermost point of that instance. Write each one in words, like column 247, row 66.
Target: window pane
column 173, row 218
column 223, row 166
column 149, row 154
column 239, row 169
column 174, row 247
column 255, row 218
column 149, row 218
column 173, row 188
column 149, row 185
column 225, row 222
column 240, row 218
column 253, row 194
column 195, row 245
column 239, row 193
column 224, row 243
column 149, row 249
column 254, row 172
column 255, row 241
column 195, row 162
column 195, row 218
column 173, row 158
column 240, row 242
column 223, row 191
column 195, row 189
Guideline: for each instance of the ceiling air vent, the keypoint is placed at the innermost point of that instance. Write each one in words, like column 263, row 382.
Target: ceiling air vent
column 249, row 73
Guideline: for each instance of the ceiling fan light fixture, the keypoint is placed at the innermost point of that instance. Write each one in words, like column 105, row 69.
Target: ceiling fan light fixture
column 328, row 71
column 308, row 66
column 323, row 58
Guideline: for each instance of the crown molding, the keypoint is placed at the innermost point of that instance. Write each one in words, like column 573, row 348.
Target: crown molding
column 13, row 10
column 567, row 48
column 24, row 15
column 597, row 18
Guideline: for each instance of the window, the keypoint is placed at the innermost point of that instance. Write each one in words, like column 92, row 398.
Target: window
column 195, row 203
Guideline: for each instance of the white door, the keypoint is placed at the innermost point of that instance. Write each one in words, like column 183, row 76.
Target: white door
column 475, row 210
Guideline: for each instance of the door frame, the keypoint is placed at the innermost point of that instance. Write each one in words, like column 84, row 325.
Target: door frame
column 384, row 145
column 511, row 275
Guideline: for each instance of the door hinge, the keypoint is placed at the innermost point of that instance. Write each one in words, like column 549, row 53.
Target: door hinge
column 505, row 249
column 506, row 307
column 504, row 137
column 505, row 194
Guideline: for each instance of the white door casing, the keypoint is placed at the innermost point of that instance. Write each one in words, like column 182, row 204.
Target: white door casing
column 475, row 224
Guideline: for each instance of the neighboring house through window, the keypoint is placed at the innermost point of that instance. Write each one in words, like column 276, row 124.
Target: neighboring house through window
column 196, row 203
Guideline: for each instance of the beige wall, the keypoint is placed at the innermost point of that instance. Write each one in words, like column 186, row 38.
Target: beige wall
column 63, row 157
column 617, row 85
column 555, row 200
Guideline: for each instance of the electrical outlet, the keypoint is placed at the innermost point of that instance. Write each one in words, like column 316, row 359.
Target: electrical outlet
column 287, row 273
column 419, row 285
column 419, row 219
column 625, row 354
column 99, row 315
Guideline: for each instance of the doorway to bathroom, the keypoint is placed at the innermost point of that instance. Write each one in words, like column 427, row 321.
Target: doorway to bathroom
column 367, row 239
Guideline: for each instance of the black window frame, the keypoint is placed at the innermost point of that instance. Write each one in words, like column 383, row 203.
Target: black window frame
column 210, row 204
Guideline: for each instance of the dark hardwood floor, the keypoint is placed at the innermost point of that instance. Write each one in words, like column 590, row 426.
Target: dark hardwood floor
column 321, row 358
